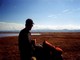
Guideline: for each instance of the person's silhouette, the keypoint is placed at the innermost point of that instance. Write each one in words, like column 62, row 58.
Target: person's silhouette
column 25, row 47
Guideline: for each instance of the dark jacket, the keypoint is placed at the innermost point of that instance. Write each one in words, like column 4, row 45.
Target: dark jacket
column 24, row 45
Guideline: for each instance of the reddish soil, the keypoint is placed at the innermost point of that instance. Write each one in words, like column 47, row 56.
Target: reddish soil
column 68, row 41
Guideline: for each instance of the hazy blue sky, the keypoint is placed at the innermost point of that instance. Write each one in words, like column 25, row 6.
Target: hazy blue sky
column 51, row 13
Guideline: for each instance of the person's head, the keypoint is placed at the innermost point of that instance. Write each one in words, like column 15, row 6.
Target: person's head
column 29, row 24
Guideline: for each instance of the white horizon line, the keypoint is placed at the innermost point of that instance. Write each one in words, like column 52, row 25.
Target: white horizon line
column 17, row 26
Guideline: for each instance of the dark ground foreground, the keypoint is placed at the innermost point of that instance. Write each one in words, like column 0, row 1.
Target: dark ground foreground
column 68, row 41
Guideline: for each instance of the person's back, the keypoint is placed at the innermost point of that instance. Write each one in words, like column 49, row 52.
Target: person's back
column 51, row 52
column 25, row 47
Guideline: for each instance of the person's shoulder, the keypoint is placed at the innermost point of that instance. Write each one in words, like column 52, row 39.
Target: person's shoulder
column 24, row 31
column 21, row 30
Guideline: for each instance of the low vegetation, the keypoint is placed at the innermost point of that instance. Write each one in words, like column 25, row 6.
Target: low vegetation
column 68, row 41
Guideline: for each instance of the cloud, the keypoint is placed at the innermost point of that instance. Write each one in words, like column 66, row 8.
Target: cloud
column 65, row 11
column 54, row 16
column 10, row 26
column 57, row 27
column 70, row 10
column 15, row 26
column 59, row 14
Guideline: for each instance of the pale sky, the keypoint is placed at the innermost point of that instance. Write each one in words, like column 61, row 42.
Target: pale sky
column 46, row 14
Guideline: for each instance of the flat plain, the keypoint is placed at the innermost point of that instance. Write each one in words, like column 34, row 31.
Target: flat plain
column 69, row 42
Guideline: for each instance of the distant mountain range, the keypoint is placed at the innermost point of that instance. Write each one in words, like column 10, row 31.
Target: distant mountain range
column 45, row 30
column 48, row 30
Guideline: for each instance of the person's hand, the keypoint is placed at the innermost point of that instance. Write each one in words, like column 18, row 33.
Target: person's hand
column 33, row 58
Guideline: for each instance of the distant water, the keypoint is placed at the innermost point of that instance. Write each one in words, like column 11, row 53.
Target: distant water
column 35, row 34
column 15, row 34
column 6, row 35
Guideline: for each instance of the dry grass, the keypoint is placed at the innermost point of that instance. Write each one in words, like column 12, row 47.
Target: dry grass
column 69, row 42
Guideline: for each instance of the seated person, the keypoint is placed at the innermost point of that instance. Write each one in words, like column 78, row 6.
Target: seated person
column 46, row 51
column 52, row 52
